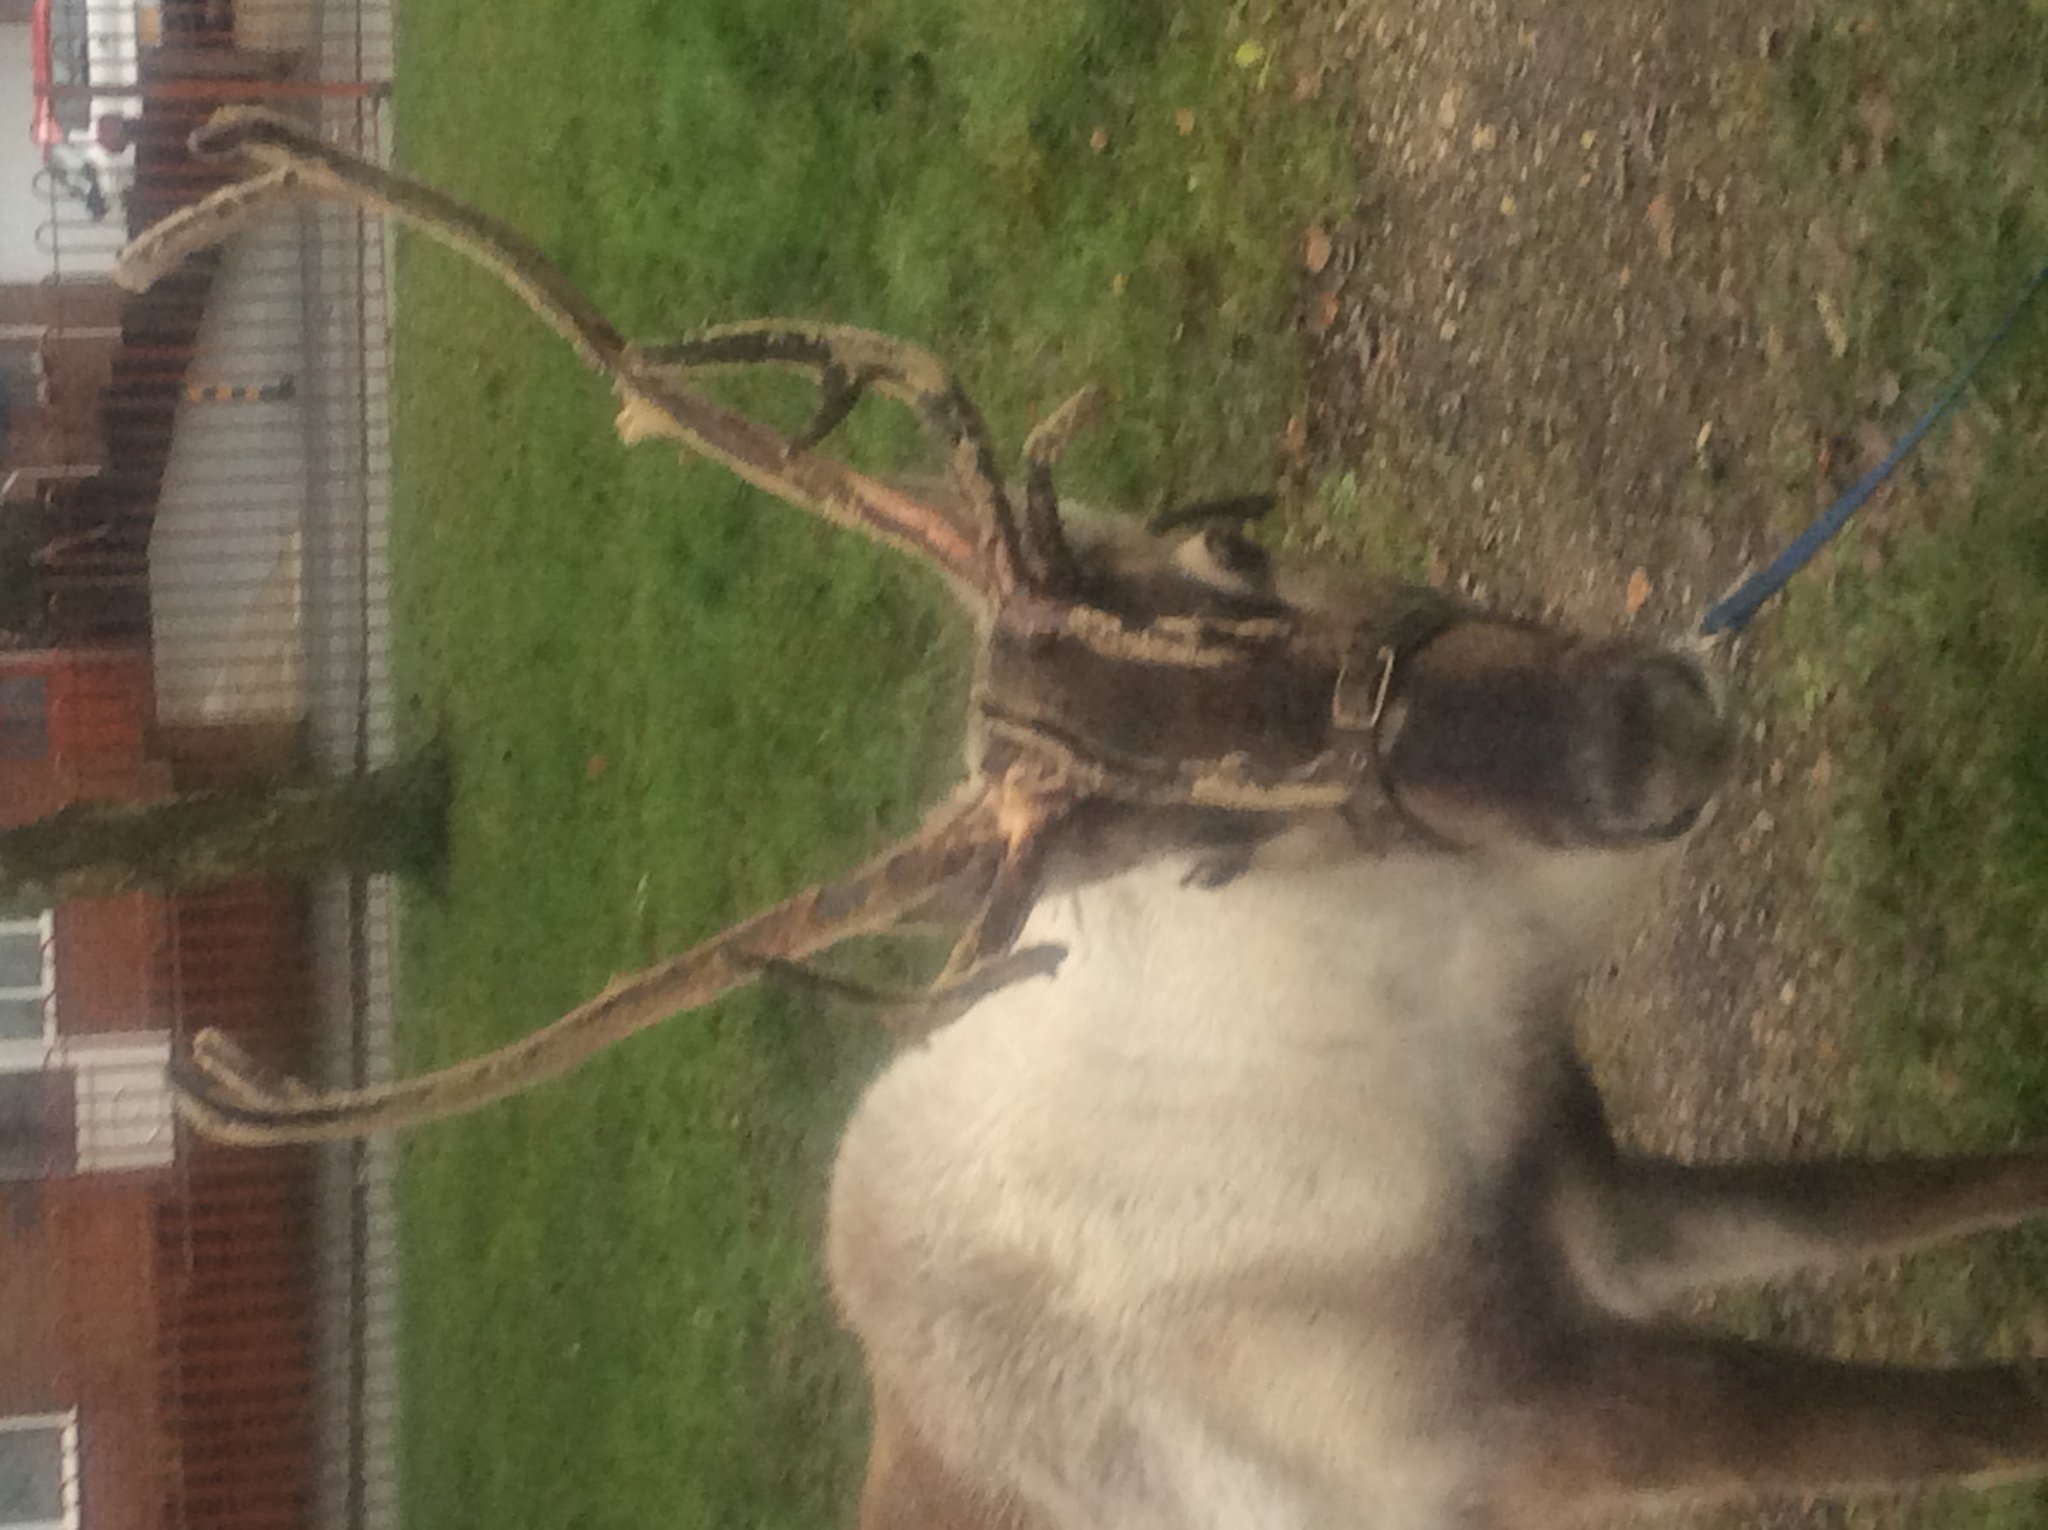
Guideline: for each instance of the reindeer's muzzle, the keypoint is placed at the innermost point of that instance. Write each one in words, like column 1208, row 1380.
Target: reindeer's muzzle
column 1499, row 731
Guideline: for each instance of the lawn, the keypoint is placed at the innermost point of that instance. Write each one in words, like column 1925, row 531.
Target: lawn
column 1921, row 658
column 669, row 701
column 1925, row 650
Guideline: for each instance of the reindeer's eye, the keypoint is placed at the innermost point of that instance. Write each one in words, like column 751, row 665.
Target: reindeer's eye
column 1223, row 557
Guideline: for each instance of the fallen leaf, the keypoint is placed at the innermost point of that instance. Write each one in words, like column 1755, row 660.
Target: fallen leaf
column 1327, row 307
column 1880, row 120
column 595, row 766
column 1308, row 85
column 1249, row 55
column 1099, row 139
column 1638, row 593
column 1315, row 249
column 1184, row 120
column 1294, row 439
column 1823, row 770
column 1663, row 224
column 1959, row 460
column 1831, row 322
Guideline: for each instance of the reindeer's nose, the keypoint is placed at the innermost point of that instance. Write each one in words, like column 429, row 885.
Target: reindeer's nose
column 1653, row 746
column 1504, row 732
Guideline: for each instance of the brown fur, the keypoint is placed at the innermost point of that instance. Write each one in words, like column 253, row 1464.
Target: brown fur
column 910, row 1488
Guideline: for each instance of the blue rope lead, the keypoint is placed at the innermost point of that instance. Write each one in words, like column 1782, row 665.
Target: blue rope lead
column 1732, row 612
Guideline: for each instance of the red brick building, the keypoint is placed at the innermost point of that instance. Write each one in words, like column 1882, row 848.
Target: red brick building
column 195, row 1338
column 156, row 1324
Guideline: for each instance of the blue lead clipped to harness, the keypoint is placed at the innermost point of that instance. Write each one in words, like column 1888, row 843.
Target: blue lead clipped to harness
column 1732, row 612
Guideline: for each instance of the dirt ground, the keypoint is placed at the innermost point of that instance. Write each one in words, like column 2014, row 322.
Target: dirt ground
column 1545, row 330
column 1548, row 334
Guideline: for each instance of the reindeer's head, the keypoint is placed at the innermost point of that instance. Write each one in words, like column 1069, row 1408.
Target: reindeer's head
column 1122, row 674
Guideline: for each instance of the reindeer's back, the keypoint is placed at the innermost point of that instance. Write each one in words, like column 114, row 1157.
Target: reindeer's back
column 1238, row 1170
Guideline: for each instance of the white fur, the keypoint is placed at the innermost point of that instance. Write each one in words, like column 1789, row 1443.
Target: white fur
column 1145, row 1241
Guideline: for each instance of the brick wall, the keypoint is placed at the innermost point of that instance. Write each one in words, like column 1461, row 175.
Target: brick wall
column 102, row 1234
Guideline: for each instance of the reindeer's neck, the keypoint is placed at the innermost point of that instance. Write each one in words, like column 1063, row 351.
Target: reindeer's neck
column 1311, row 947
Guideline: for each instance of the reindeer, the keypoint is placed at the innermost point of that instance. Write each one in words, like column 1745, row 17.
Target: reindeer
column 1256, row 1182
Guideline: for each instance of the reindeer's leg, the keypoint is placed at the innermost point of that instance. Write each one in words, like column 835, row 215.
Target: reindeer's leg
column 1630, row 1412
column 1639, row 1230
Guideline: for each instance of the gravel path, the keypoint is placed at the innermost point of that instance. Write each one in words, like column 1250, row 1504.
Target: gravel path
column 1545, row 338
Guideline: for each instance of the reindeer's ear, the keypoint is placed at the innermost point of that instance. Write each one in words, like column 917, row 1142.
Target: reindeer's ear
column 1224, row 558
column 1236, row 509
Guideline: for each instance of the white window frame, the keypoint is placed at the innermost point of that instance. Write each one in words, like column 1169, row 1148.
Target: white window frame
column 24, row 1054
column 66, row 1425
column 122, row 1115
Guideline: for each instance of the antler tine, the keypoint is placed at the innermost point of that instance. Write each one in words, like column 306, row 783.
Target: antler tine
column 300, row 166
column 1043, row 449
column 848, row 361
column 166, row 244
column 227, row 1100
column 910, row 1013
column 297, row 165
column 1000, row 919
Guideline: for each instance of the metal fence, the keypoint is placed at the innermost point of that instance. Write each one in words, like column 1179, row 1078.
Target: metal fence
column 197, row 485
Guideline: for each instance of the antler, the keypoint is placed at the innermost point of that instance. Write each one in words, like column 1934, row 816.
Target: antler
column 983, row 562
column 226, row 1096
column 1242, row 698
column 989, row 834
column 847, row 362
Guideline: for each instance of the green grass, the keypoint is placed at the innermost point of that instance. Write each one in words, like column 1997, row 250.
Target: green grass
column 668, row 701
column 1924, row 652
column 1932, row 636
column 1921, row 131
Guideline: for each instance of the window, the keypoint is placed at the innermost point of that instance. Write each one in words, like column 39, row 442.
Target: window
column 39, row 1472
column 118, row 1112
column 36, row 1128
column 24, row 717
column 81, row 1104
column 26, row 983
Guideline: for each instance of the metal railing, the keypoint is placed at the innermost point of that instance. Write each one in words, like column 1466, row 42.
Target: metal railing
column 198, row 484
